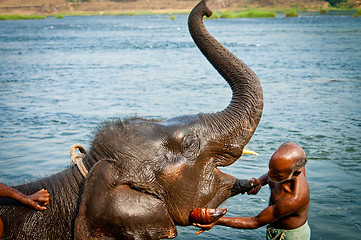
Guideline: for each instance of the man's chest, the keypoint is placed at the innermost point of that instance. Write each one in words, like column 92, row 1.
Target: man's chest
column 277, row 192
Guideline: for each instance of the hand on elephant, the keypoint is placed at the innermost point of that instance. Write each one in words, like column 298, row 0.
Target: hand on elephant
column 256, row 186
column 206, row 218
column 204, row 227
column 38, row 200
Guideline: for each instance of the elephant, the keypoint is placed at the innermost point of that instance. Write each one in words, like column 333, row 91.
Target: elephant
column 145, row 177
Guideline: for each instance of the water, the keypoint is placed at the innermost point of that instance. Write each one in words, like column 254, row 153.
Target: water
column 61, row 77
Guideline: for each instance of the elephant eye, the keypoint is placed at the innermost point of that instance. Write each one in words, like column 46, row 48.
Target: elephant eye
column 173, row 145
column 190, row 146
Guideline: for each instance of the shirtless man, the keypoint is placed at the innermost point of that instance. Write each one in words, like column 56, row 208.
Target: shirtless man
column 35, row 200
column 289, row 201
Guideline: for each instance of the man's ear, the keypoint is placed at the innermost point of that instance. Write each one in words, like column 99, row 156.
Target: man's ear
column 297, row 173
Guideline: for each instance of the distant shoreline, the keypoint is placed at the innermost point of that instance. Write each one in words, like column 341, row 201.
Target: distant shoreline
column 142, row 7
column 216, row 14
column 152, row 7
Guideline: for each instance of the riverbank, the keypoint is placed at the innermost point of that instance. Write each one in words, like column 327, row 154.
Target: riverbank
column 265, row 8
column 46, row 7
column 172, row 16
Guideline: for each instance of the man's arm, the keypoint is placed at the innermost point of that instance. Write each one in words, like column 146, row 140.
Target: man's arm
column 34, row 200
column 267, row 216
column 284, row 207
column 6, row 191
column 263, row 179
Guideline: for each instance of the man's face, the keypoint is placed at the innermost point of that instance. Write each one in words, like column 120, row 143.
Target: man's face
column 278, row 177
column 279, row 169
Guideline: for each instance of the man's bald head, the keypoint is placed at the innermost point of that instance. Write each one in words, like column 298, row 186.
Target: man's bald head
column 287, row 159
column 294, row 153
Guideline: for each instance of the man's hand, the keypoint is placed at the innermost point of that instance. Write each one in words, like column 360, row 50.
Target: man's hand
column 38, row 200
column 204, row 227
column 256, row 186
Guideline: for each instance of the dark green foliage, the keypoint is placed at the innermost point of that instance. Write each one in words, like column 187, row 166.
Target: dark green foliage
column 292, row 14
column 20, row 17
column 245, row 14
column 336, row 3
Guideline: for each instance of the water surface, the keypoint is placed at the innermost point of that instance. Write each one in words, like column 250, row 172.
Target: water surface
column 59, row 78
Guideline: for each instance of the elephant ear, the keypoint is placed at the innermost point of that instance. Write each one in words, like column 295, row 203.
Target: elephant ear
column 119, row 210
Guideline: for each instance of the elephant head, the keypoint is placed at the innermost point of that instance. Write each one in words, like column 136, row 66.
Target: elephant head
column 149, row 176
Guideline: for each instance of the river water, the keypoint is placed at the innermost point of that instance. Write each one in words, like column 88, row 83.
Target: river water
column 61, row 77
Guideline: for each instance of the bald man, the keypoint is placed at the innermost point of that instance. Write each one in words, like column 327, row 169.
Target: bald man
column 287, row 212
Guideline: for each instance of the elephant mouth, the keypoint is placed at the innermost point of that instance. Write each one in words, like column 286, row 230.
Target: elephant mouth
column 206, row 215
column 229, row 157
column 225, row 180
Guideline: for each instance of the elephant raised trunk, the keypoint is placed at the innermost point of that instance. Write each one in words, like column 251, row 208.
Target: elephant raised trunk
column 147, row 177
column 243, row 114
